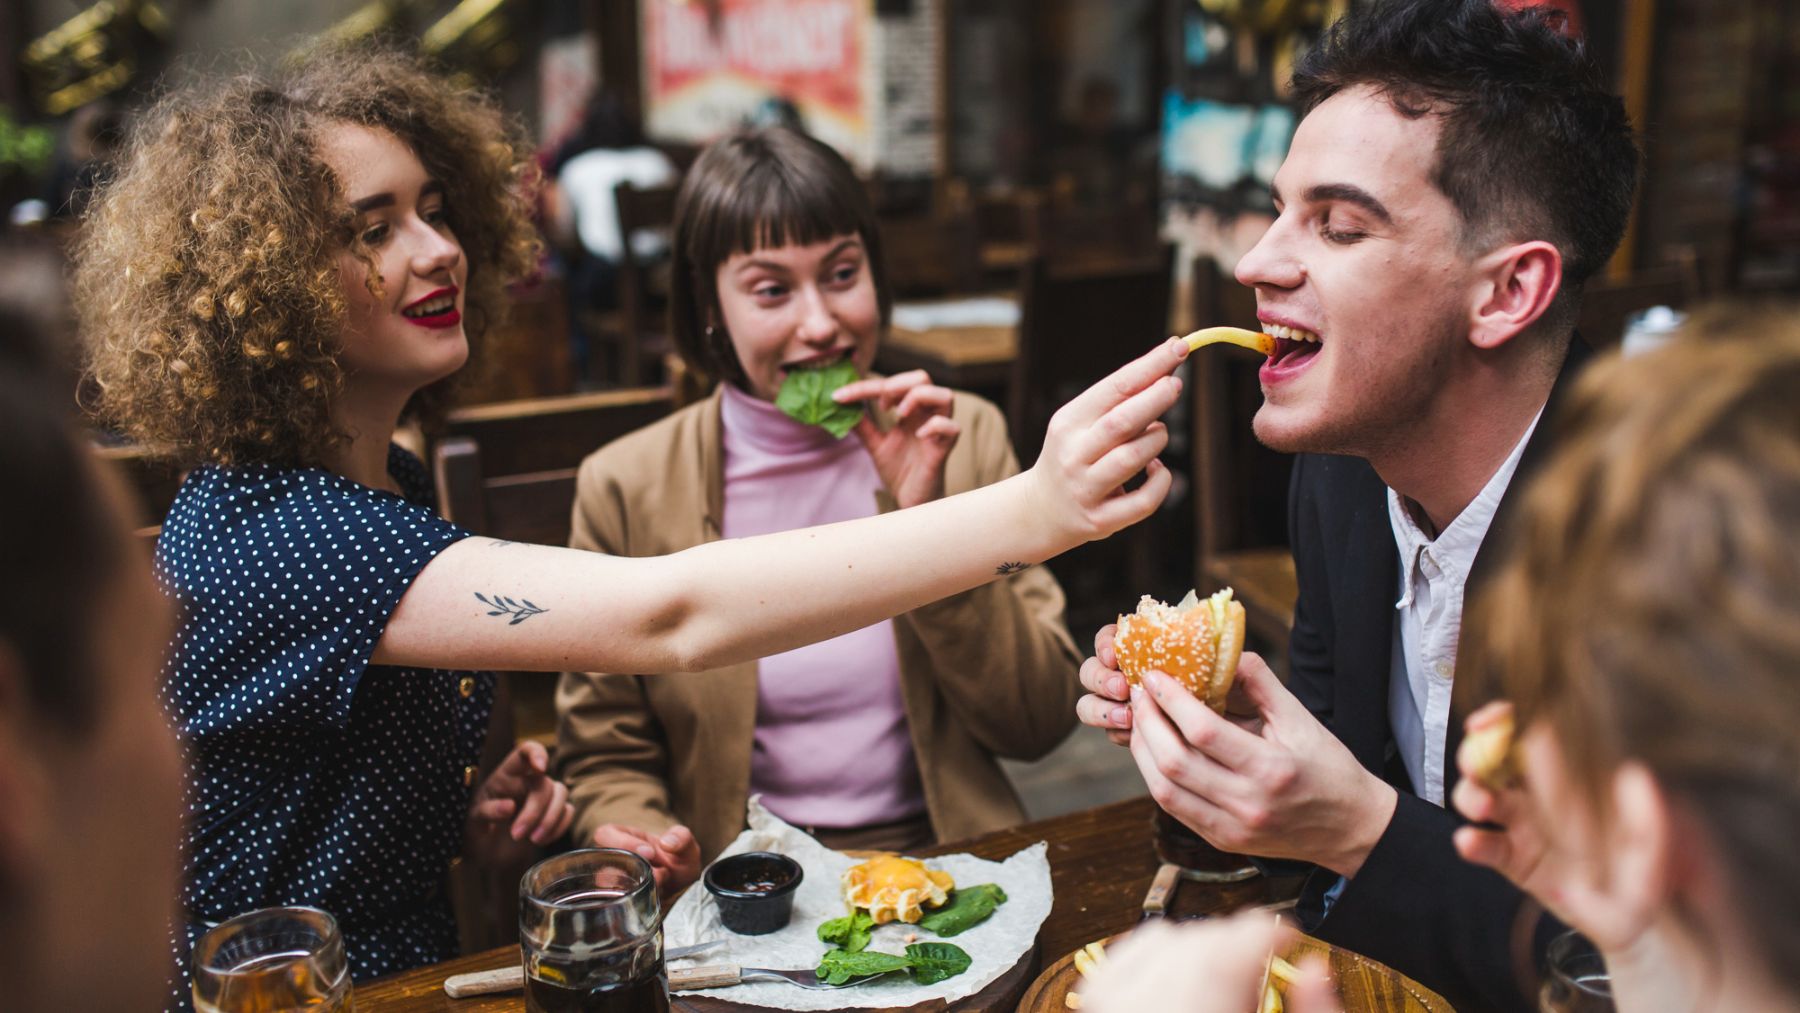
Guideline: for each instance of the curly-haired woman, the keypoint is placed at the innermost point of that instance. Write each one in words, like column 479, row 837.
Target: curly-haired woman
column 278, row 273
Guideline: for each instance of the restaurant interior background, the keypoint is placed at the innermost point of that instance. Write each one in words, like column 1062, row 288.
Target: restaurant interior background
column 1059, row 182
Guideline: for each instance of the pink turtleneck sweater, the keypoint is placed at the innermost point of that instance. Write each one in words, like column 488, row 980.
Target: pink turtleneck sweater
column 832, row 747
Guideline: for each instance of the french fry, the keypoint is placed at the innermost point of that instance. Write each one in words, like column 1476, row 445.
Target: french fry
column 1283, row 971
column 1072, row 1000
column 1253, row 340
column 1096, row 952
column 1271, row 1001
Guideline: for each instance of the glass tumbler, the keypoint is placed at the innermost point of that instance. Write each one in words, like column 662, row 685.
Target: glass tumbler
column 590, row 932
column 273, row 961
column 1575, row 980
column 1198, row 860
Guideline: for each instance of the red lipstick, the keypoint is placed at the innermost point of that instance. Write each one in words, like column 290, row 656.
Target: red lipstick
column 448, row 317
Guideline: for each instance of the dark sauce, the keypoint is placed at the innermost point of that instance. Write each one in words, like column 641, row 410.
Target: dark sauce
column 761, row 885
column 647, row 995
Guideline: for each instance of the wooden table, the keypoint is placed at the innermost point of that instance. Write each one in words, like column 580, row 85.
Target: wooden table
column 1100, row 866
column 976, row 358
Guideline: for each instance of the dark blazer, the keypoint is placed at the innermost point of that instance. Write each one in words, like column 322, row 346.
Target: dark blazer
column 1415, row 905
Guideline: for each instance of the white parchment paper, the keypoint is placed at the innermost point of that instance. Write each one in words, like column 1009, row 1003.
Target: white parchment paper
column 994, row 946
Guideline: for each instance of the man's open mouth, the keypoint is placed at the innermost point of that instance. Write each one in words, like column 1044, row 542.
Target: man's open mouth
column 1293, row 345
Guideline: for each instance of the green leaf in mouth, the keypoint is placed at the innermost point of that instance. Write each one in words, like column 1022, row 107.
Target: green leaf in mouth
column 805, row 396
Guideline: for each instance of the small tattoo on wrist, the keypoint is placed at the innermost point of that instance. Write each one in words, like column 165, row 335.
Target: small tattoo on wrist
column 1008, row 568
column 520, row 610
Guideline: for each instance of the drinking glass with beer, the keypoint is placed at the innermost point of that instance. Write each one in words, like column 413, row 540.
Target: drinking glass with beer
column 272, row 961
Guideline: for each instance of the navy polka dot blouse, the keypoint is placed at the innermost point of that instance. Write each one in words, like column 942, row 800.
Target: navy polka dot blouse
column 315, row 777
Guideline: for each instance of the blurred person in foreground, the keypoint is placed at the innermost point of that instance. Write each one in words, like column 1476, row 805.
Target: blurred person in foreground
column 1646, row 631
column 1644, row 624
column 1459, row 173
column 90, row 779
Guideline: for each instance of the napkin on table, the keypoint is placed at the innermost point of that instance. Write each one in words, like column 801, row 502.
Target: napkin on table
column 994, row 946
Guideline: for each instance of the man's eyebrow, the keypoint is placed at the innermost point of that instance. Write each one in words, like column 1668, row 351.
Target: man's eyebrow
column 1349, row 193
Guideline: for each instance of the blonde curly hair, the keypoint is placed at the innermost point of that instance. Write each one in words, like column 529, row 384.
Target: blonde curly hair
column 206, row 280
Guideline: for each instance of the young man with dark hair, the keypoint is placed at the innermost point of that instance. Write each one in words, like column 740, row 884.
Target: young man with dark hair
column 1460, row 172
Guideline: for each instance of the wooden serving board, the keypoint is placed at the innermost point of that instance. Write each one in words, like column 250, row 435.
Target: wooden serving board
column 1365, row 986
column 1001, row 996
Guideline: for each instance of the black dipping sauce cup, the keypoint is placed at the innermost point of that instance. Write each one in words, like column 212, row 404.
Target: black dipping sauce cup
column 754, row 891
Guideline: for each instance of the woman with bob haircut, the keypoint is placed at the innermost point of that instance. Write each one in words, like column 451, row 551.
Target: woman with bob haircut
column 884, row 738
column 282, row 269
column 1643, row 632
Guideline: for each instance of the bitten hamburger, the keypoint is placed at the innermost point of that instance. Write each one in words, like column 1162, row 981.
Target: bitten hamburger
column 1197, row 642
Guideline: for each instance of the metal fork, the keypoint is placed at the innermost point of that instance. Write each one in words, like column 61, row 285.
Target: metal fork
column 688, row 979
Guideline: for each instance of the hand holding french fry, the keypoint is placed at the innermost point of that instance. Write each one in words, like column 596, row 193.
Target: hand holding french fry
column 1224, row 965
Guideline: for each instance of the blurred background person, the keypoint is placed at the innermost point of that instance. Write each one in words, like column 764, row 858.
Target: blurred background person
column 608, row 149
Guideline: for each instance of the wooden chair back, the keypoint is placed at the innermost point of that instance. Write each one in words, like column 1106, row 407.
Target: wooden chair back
column 508, row 470
column 930, row 255
column 1075, row 327
column 1607, row 305
column 1077, row 324
column 1240, row 486
column 640, row 308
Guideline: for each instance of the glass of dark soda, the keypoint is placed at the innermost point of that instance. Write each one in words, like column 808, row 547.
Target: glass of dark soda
column 1178, row 845
column 590, row 930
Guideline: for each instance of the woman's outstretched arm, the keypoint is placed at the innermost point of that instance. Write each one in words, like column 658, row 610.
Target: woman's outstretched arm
column 488, row 604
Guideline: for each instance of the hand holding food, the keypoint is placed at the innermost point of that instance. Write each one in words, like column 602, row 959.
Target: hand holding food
column 909, row 455
column 1486, row 753
column 1197, row 642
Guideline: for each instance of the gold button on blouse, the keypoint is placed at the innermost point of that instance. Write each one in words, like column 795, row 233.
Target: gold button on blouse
column 468, row 776
column 467, row 686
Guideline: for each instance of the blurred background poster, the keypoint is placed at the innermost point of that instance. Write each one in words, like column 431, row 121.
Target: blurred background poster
column 710, row 66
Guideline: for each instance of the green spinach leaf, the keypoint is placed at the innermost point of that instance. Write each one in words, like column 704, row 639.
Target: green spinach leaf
column 968, row 907
column 933, row 962
column 806, row 397
column 839, row 966
column 850, row 932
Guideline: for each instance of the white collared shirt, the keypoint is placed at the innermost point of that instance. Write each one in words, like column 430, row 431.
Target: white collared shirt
column 1428, row 621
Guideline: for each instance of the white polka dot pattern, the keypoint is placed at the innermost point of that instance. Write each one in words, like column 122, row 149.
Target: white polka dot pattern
column 314, row 777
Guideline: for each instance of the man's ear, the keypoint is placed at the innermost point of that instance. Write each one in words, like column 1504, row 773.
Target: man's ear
column 1517, row 285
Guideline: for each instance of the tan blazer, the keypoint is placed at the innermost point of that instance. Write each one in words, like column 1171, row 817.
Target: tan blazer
column 990, row 672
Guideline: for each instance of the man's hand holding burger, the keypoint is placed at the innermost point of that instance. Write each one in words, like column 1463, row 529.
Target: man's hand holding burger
column 1279, row 787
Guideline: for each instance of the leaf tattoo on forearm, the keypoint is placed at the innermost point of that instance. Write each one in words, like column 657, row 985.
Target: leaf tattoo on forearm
column 520, row 610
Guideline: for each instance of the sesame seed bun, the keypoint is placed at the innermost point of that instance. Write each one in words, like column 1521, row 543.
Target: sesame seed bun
column 1196, row 642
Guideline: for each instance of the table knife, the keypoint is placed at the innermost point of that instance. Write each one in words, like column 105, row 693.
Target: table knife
column 1162, row 891
column 507, row 979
